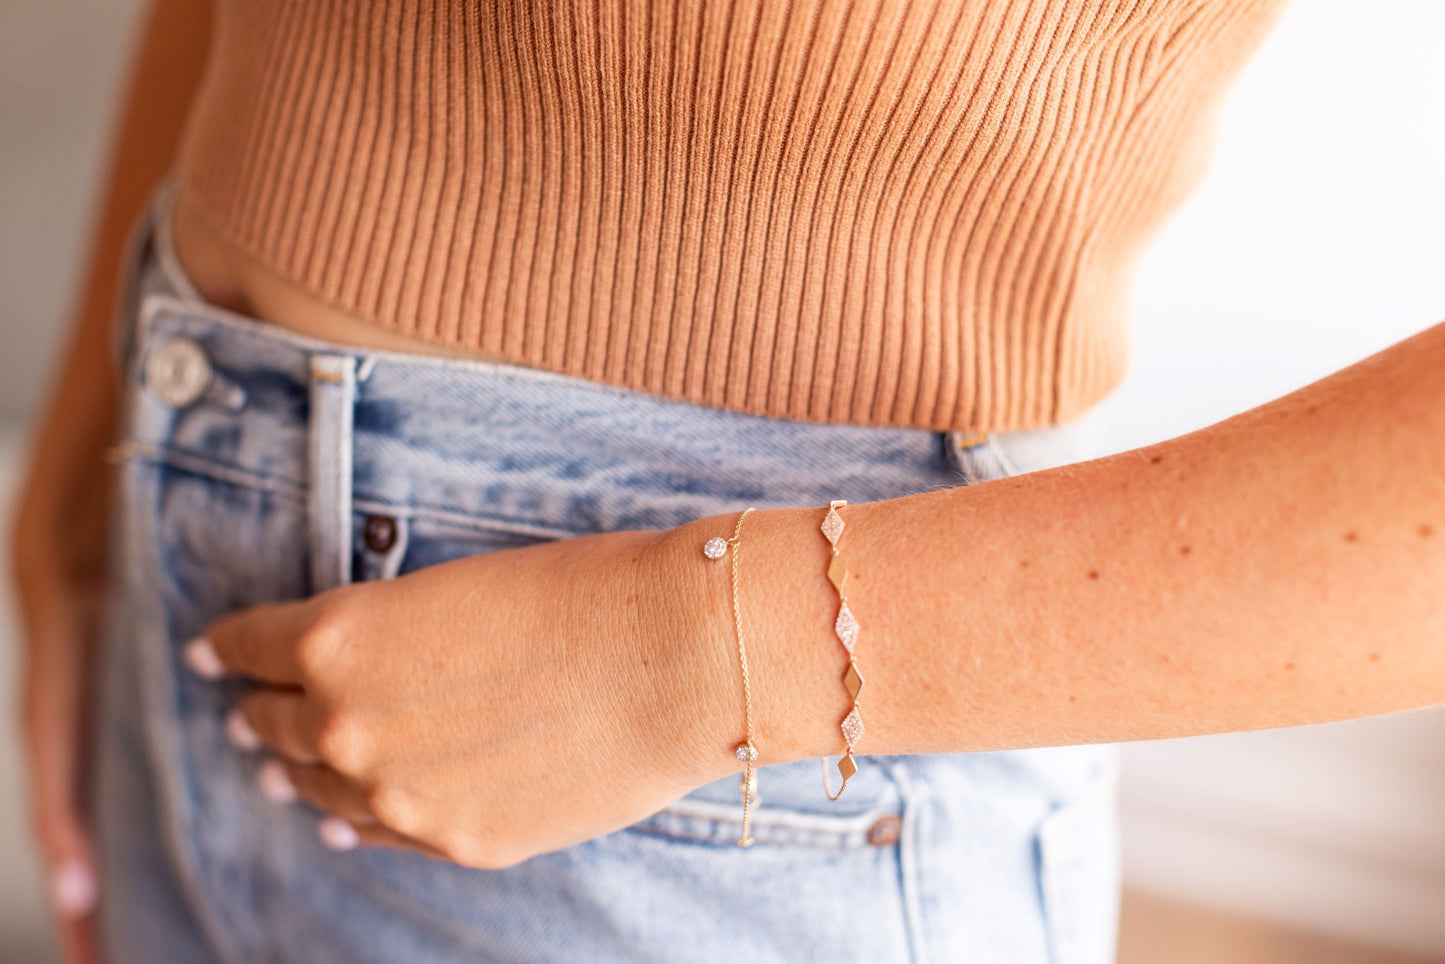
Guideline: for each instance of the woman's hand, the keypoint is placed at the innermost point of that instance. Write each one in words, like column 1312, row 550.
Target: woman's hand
column 58, row 583
column 487, row 709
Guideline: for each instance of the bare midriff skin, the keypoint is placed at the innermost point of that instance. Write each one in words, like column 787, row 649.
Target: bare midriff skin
column 226, row 276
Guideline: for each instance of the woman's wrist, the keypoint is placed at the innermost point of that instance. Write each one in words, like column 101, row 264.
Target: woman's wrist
column 795, row 664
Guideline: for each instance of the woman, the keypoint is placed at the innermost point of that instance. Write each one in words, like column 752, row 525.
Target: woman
column 451, row 334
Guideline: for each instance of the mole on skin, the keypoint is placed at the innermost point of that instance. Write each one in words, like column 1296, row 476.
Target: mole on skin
column 1156, row 460
column 1093, row 574
column 1426, row 531
column 1352, row 536
column 1184, row 550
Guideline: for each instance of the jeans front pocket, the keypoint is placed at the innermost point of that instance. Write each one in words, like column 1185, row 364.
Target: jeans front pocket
column 1079, row 873
column 673, row 886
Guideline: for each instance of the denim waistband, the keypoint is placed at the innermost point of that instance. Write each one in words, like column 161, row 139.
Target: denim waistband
column 521, row 446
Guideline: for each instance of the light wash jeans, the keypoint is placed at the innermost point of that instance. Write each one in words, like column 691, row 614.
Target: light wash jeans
column 260, row 465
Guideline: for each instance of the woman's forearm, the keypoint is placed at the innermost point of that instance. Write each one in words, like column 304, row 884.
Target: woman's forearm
column 1283, row 566
column 61, row 511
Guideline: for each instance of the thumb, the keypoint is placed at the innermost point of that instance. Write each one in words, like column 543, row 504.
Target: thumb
column 54, row 715
column 73, row 886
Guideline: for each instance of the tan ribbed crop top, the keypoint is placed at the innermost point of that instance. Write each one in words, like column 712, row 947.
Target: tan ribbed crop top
column 904, row 212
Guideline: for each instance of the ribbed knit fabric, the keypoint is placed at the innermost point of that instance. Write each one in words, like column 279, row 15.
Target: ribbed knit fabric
column 904, row 212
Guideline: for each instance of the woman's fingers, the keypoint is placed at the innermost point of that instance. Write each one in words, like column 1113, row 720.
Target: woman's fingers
column 375, row 835
column 349, row 820
column 77, row 941
column 54, row 712
column 53, row 740
column 259, row 642
column 66, row 844
column 327, row 790
column 283, row 720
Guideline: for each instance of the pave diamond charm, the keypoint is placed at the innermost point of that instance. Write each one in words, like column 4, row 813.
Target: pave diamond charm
column 746, row 752
column 833, row 523
column 715, row 548
column 846, row 627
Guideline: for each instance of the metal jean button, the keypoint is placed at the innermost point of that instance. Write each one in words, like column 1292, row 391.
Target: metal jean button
column 885, row 831
column 379, row 532
column 178, row 371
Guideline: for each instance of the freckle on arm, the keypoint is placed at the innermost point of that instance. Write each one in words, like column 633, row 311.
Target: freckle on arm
column 1093, row 574
column 1352, row 537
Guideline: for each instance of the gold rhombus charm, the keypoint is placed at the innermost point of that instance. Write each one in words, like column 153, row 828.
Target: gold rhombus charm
column 837, row 573
column 846, row 766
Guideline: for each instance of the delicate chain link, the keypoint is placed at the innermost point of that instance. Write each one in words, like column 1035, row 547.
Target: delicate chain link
column 750, row 758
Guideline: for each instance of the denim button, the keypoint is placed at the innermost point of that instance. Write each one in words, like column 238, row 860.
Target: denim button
column 178, row 371
column 885, row 831
column 379, row 532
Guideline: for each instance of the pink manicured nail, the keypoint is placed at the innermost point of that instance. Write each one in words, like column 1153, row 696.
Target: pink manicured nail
column 240, row 732
column 337, row 834
column 201, row 657
column 275, row 784
column 72, row 887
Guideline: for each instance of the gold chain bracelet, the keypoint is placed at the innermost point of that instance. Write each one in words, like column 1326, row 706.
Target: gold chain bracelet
column 746, row 751
column 846, row 629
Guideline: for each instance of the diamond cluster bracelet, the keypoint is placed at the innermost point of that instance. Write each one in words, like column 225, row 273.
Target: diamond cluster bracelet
column 845, row 627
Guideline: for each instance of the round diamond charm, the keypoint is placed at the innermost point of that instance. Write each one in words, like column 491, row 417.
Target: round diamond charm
column 715, row 548
column 746, row 752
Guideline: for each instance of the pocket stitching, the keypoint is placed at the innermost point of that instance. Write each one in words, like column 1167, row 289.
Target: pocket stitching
column 1059, row 837
column 700, row 821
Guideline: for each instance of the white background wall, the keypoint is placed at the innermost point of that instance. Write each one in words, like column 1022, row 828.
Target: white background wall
column 1318, row 238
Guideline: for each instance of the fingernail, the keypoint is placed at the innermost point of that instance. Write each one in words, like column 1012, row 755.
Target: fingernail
column 275, row 784
column 201, row 657
column 240, row 732
column 337, row 834
column 72, row 887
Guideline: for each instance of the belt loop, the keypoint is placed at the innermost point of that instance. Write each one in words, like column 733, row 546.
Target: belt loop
column 333, row 394
column 965, row 452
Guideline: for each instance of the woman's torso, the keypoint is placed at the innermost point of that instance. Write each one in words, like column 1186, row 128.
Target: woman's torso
column 257, row 465
column 913, row 214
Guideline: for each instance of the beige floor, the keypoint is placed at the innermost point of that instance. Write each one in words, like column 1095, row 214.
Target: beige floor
column 1155, row 931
